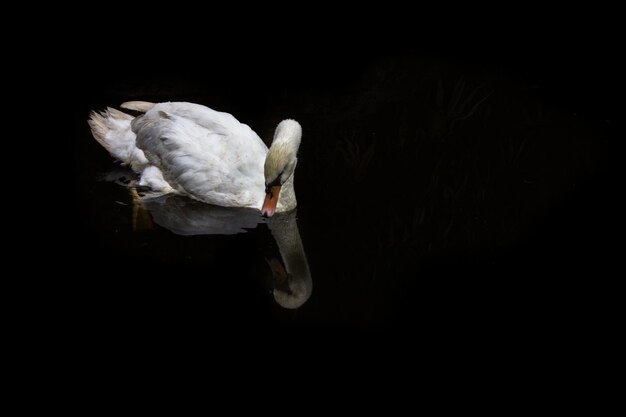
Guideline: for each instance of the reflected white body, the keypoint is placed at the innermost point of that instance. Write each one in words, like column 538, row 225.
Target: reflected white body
column 186, row 217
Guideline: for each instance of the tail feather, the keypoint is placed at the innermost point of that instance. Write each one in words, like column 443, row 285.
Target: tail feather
column 111, row 128
column 105, row 122
column 142, row 106
column 98, row 125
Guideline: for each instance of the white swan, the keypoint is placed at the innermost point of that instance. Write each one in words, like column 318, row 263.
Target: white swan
column 189, row 149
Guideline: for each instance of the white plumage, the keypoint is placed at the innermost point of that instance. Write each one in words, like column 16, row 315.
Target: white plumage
column 208, row 155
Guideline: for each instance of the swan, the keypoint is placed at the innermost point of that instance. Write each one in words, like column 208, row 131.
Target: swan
column 192, row 150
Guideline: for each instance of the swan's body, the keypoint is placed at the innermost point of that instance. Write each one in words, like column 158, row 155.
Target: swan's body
column 189, row 149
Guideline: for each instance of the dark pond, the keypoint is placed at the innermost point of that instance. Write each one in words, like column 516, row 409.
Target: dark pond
column 435, row 197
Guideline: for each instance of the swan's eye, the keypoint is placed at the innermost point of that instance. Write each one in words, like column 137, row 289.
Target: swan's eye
column 275, row 183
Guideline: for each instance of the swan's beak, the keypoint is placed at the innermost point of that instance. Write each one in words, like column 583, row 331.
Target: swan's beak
column 271, row 199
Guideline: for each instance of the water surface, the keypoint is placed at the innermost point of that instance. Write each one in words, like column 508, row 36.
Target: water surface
column 432, row 197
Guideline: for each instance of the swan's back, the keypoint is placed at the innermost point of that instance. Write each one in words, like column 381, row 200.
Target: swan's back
column 204, row 153
column 214, row 121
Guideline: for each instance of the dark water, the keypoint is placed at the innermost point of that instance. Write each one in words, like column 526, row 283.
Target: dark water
column 453, row 199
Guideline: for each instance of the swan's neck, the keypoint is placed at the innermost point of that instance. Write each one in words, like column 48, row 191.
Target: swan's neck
column 281, row 160
column 287, row 196
column 285, row 231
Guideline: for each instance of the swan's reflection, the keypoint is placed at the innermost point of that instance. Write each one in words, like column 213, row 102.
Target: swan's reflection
column 187, row 217
column 292, row 278
column 294, row 287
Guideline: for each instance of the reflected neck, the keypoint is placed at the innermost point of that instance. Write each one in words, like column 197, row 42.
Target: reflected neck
column 284, row 228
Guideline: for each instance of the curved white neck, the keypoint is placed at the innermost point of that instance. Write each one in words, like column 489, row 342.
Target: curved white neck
column 281, row 161
column 287, row 197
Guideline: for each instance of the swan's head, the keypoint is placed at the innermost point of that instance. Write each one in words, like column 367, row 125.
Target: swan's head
column 280, row 162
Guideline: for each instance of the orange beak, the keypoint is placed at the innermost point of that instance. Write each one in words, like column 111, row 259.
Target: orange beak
column 271, row 199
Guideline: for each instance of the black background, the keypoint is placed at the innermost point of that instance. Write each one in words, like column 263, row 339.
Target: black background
column 562, row 265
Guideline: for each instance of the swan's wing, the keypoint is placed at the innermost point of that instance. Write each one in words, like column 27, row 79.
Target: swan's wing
column 206, row 154
column 214, row 121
